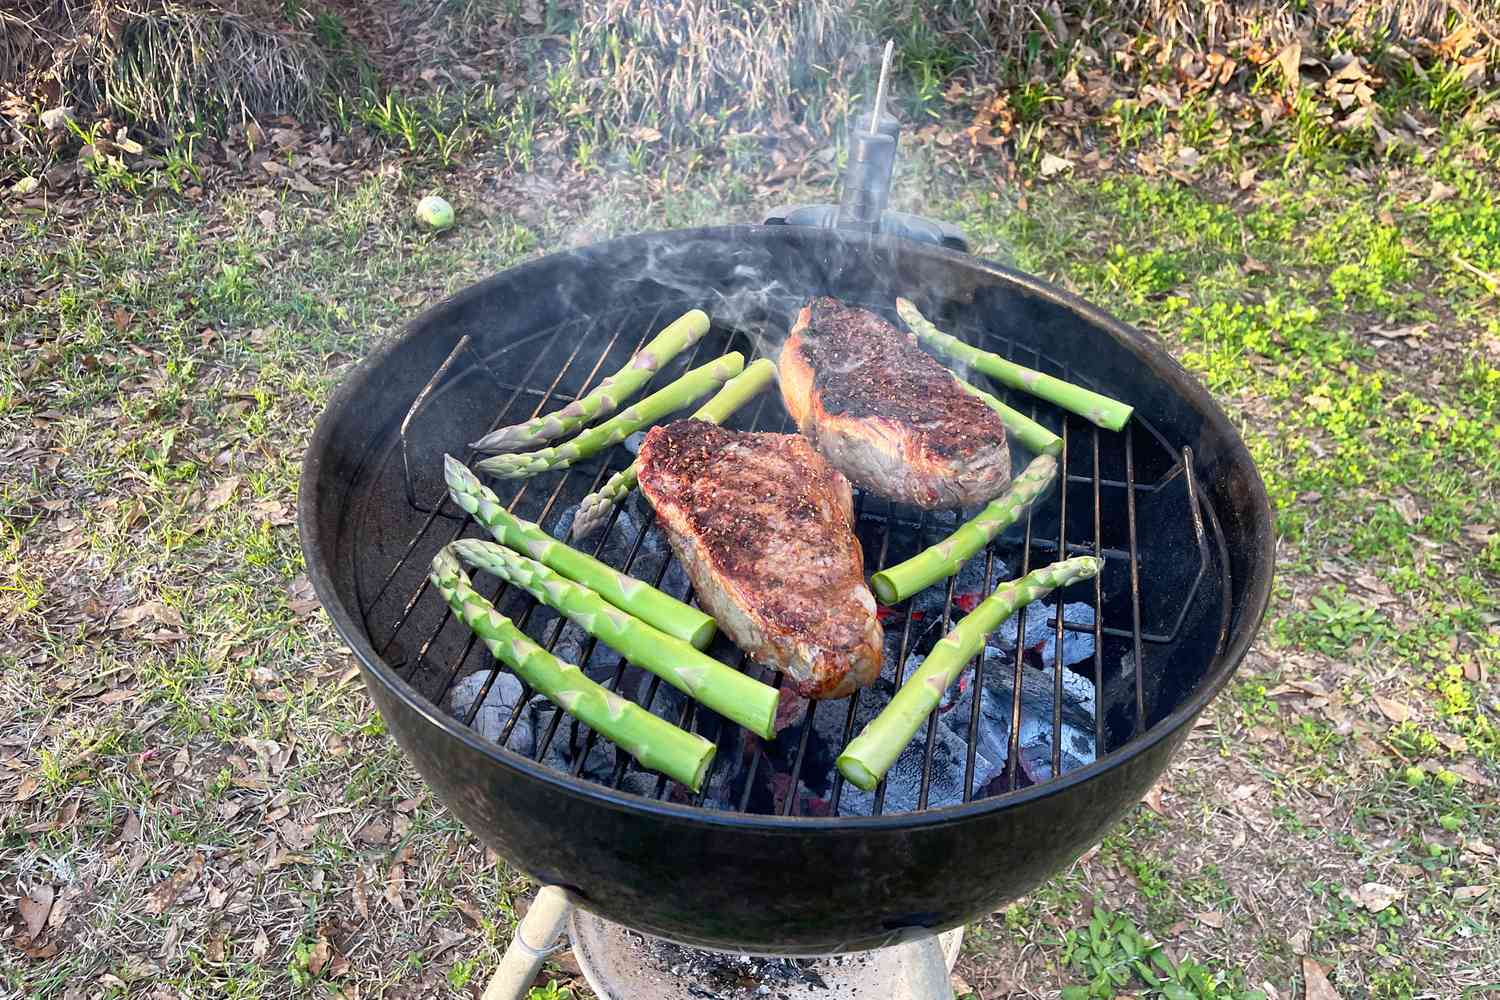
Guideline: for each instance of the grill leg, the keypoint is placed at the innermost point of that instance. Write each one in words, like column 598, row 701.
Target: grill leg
column 536, row 936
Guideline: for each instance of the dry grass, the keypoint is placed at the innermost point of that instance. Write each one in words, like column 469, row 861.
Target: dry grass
column 669, row 64
column 162, row 64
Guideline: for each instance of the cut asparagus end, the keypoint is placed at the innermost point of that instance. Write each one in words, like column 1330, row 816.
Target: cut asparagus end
column 857, row 774
column 885, row 589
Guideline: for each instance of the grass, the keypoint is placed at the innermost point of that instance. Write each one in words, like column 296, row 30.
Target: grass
column 163, row 694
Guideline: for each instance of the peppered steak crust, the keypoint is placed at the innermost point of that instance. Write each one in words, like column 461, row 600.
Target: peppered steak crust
column 764, row 527
column 886, row 414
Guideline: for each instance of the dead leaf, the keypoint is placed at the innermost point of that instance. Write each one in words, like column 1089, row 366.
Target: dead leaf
column 1391, row 709
column 27, row 789
column 1053, row 164
column 35, row 907
column 393, row 885
column 1470, row 891
column 1153, row 800
column 262, row 945
column 1375, row 896
column 374, row 832
column 158, row 611
column 1211, row 918
column 317, row 958
column 1318, row 986
column 300, row 597
column 213, row 949
column 1471, row 774
column 361, row 898
column 1452, row 741
column 1290, row 61
column 221, row 494
column 1246, row 178
column 166, row 892
column 1408, row 509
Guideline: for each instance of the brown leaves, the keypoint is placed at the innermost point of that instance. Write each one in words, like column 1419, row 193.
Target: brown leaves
column 300, row 597
column 221, row 494
column 1392, row 709
column 166, row 892
column 158, row 611
column 1318, row 986
column 1290, row 61
column 1376, row 896
column 36, row 907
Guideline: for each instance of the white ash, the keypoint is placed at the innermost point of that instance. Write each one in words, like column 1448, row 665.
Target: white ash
column 495, row 711
column 717, row 976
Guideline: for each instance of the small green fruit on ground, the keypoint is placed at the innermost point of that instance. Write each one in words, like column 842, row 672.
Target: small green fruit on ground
column 435, row 212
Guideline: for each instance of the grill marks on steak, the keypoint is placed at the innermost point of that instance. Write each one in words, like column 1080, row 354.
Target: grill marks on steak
column 886, row 414
column 764, row 527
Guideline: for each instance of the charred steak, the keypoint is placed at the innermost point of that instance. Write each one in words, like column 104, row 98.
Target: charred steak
column 887, row 415
column 764, row 527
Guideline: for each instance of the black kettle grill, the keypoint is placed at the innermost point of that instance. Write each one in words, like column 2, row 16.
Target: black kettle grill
column 777, row 854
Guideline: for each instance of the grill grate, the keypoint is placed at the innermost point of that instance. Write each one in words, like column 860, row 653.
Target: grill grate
column 413, row 631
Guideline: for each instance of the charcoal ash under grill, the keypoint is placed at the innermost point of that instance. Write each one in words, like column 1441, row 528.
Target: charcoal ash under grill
column 717, row 976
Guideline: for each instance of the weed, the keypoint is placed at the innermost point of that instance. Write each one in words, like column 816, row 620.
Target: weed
column 1114, row 955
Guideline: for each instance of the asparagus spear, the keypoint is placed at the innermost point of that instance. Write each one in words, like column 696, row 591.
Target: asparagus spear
column 739, row 390
column 732, row 694
column 664, row 611
column 685, row 390
column 1101, row 410
column 898, row 582
column 655, row 742
column 870, row 754
column 1027, row 431
column 607, row 395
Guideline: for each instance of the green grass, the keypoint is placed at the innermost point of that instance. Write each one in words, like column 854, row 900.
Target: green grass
column 171, row 344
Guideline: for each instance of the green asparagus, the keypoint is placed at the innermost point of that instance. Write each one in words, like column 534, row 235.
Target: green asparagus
column 898, row 582
column 870, row 754
column 664, row 611
column 734, row 695
column 1025, row 430
column 655, row 742
column 1101, row 410
column 680, row 393
column 595, row 507
column 607, row 396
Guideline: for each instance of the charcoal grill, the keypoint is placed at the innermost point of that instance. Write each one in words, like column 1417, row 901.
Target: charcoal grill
column 1173, row 503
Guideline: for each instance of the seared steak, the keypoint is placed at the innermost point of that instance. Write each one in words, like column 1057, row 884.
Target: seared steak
column 887, row 415
column 764, row 527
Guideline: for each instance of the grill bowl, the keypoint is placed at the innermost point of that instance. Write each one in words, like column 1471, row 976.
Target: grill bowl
column 370, row 517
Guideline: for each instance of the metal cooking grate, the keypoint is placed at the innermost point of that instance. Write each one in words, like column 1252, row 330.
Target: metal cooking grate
column 1133, row 625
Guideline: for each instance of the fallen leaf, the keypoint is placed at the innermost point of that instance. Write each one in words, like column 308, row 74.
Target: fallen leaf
column 262, row 945
column 35, row 906
column 1318, row 986
column 1452, row 741
column 317, row 958
column 1470, row 891
column 166, row 892
column 300, row 597
column 1212, row 918
column 1053, row 164
column 1375, row 896
column 27, row 789
column 1479, row 847
column 1471, row 774
column 1408, row 509
column 213, row 949
column 1391, row 709
column 374, row 832
column 221, row 494
column 1290, row 59
column 393, row 885
column 1153, row 800
column 361, row 898
column 1246, row 178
